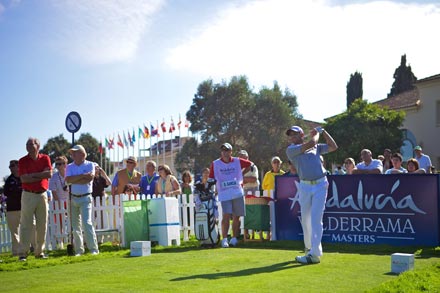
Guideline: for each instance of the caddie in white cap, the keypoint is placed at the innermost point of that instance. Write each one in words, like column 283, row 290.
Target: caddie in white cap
column 228, row 172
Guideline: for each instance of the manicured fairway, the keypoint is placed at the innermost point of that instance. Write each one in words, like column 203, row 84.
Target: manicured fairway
column 250, row 268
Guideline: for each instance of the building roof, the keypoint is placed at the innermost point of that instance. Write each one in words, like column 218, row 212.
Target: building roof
column 429, row 78
column 311, row 124
column 402, row 101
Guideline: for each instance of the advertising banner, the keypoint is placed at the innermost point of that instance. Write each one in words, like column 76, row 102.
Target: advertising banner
column 367, row 209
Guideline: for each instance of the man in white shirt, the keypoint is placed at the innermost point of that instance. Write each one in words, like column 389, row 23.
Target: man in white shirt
column 80, row 174
column 368, row 164
column 424, row 160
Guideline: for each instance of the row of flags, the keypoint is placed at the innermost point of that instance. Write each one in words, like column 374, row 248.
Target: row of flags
column 145, row 133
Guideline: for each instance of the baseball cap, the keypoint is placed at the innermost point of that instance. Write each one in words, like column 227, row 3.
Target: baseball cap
column 226, row 146
column 244, row 153
column 418, row 148
column 294, row 129
column 132, row 159
column 13, row 163
column 78, row 148
column 276, row 158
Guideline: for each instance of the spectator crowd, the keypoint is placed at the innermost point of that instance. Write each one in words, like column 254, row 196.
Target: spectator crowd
column 32, row 183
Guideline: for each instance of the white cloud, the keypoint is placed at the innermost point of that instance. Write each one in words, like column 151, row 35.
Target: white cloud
column 313, row 47
column 101, row 31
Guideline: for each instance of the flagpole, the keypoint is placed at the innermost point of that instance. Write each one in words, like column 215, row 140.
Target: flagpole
column 180, row 136
column 171, row 141
column 163, row 142
column 123, row 149
column 107, row 162
column 117, row 155
column 105, row 157
column 100, row 152
column 133, row 137
column 139, row 146
column 157, row 142
column 151, row 138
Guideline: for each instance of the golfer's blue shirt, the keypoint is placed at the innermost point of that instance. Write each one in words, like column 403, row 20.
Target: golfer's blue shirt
column 307, row 164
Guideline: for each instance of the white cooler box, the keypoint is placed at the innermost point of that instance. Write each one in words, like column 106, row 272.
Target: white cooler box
column 140, row 248
column 163, row 218
column 401, row 262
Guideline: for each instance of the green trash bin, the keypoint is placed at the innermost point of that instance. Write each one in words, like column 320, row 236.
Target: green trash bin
column 136, row 225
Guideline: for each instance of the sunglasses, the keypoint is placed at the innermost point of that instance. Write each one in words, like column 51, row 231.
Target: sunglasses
column 130, row 162
column 59, row 164
column 11, row 166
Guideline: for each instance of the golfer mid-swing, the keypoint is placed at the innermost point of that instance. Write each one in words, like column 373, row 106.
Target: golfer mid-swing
column 313, row 184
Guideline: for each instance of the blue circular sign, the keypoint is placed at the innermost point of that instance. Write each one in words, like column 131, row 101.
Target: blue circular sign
column 73, row 122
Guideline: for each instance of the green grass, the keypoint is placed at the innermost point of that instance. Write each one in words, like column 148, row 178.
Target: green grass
column 253, row 267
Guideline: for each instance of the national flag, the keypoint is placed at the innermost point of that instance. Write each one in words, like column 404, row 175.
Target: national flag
column 164, row 127
column 133, row 138
column 100, row 150
column 186, row 123
column 172, row 128
column 125, row 139
column 153, row 131
column 111, row 143
column 180, row 122
column 120, row 141
column 141, row 133
column 146, row 132
column 107, row 143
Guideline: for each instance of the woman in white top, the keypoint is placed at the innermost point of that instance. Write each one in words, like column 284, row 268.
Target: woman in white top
column 57, row 184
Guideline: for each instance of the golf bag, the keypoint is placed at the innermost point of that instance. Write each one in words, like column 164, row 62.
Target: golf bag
column 206, row 214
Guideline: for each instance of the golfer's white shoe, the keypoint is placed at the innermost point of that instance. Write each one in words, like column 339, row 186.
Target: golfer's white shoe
column 233, row 242
column 225, row 243
column 308, row 259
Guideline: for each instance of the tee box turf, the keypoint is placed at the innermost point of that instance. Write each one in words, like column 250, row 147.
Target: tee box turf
column 140, row 248
column 401, row 262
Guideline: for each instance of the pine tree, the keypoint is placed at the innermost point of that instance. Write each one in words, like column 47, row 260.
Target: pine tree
column 354, row 88
column 404, row 78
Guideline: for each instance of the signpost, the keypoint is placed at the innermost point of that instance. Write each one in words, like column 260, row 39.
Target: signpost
column 73, row 124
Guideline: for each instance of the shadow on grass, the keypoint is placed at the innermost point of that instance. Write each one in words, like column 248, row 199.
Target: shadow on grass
column 371, row 249
column 246, row 272
column 297, row 245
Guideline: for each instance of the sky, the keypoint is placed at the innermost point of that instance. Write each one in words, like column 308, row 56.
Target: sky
column 122, row 64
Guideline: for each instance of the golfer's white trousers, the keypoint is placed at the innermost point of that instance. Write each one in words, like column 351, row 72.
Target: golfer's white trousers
column 312, row 200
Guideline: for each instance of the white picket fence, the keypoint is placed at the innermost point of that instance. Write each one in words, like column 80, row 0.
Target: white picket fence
column 108, row 219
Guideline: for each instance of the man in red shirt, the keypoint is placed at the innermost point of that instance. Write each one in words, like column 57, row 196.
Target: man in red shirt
column 34, row 169
column 228, row 172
